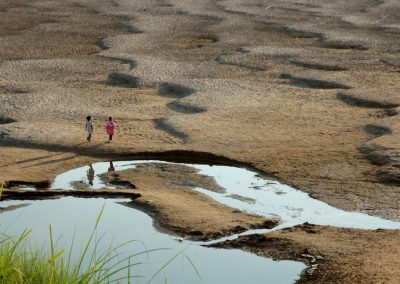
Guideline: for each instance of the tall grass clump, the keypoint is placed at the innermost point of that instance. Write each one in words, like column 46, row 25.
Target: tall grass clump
column 1, row 188
column 20, row 263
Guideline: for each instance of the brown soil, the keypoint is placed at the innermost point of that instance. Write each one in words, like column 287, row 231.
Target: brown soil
column 57, row 59
column 349, row 256
column 167, row 195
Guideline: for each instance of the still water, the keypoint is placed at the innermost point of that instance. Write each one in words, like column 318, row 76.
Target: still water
column 120, row 223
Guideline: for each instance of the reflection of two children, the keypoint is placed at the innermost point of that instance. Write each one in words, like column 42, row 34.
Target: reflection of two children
column 90, row 174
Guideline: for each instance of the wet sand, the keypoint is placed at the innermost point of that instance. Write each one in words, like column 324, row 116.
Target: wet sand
column 305, row 90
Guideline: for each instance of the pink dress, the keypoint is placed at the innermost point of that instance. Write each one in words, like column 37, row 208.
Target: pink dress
column 110, row 127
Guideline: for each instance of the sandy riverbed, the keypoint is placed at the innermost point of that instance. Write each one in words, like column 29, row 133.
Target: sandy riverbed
column 306, row 90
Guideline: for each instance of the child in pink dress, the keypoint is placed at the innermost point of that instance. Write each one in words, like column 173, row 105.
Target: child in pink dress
column 110, row 128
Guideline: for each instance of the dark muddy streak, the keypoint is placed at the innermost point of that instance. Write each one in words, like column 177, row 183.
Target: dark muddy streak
column 185, row 108
column 11, row 194
column 304, row 82
column 122, row 80
column 165, row 125
column 357, row 101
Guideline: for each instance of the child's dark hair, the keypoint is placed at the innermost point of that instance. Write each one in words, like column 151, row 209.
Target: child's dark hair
column 88, row 117
column 110, row 118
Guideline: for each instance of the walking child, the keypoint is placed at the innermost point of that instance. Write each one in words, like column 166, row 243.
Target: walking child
column 110, row 128
column 89, row 127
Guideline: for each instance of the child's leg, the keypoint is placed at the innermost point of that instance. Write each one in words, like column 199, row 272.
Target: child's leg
column 109, row 137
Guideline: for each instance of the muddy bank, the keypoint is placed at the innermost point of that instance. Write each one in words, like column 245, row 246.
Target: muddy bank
column 15, row 194
column 333, row 255
column 167, row 195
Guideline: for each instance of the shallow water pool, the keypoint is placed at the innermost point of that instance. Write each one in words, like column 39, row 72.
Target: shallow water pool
column 69, row 216
column 244, row 190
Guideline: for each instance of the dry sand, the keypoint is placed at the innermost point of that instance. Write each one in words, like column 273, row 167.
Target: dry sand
column 167, row 195
column 307, row 90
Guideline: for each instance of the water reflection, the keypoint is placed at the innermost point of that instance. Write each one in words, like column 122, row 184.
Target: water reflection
column 90, row 174
column 111, row 167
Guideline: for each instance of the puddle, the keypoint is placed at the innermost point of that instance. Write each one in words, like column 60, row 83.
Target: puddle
column 271, row 198
column 292, row 206
column 120, row 223
column 30, row 188
column 245, row 190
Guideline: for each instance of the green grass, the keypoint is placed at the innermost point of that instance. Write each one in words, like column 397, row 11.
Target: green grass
column 1, row 188
column 20, row 263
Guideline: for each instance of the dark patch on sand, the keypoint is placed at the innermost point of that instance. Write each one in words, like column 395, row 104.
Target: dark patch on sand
column 342, row 45
column 13, row 90
column 122, row 80
column 164, row 3
column 389, row 175
column 376, row 154
column 165, row 125
column 123, row 17
column 132, row 63
column 126, row 28
column 172, row 90
column 6, row 120
column 358, row 101
column 305, row 82
column 185, row 108
column 300, row 33
column 102, row 44
column 387, row 112
column 4, row 134
column 315, row 65
column 377, row 130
